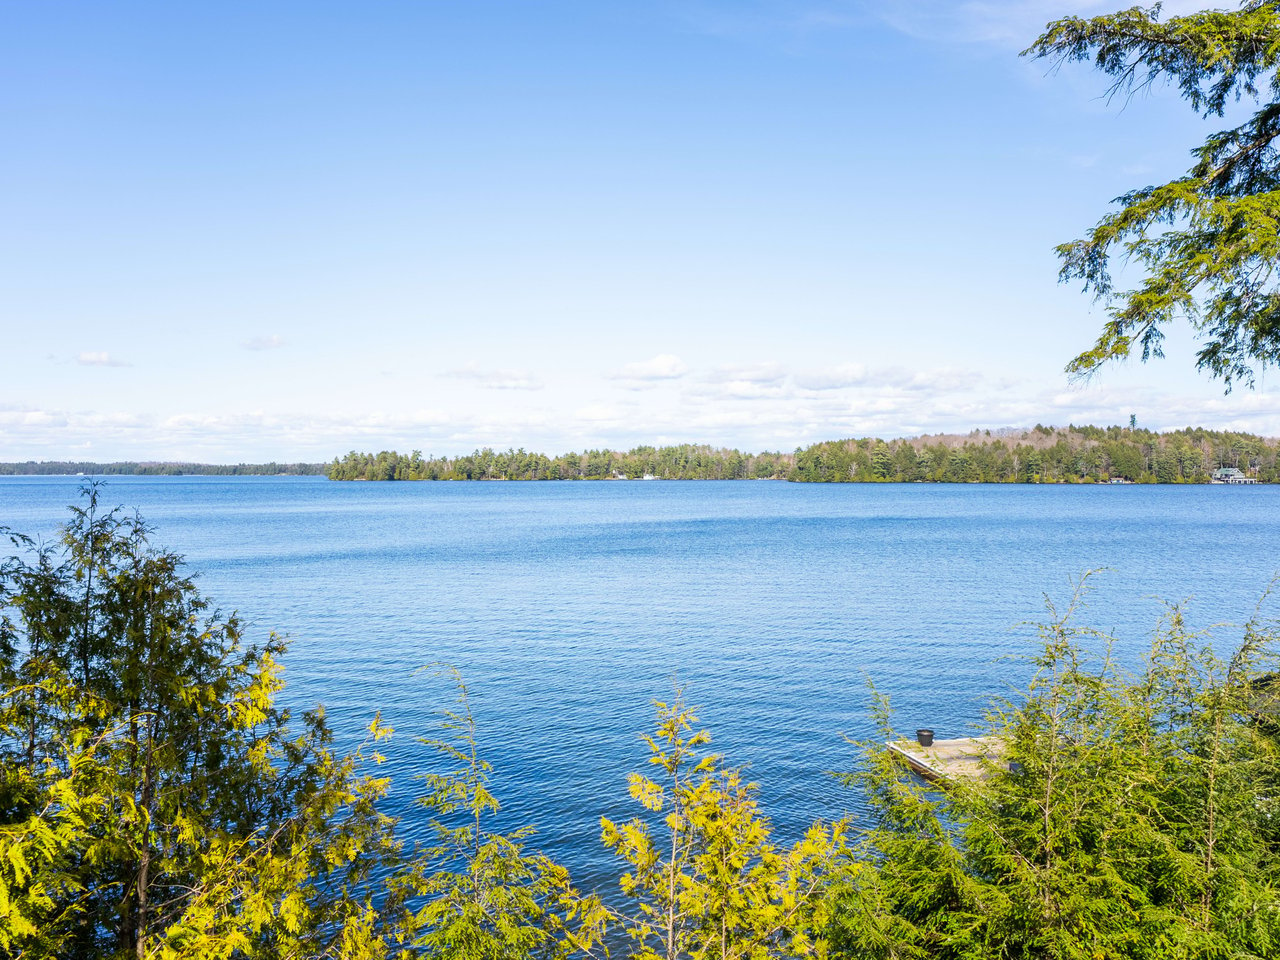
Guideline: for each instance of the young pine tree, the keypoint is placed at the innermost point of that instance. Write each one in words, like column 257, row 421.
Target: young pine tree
column 707, row 881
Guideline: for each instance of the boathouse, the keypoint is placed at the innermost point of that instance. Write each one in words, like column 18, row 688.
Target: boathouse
column 1230, row 475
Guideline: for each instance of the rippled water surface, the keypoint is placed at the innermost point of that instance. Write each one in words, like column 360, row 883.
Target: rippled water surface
column 568, row 607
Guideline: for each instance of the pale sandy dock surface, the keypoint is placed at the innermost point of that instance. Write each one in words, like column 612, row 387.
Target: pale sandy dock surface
column 965, row 758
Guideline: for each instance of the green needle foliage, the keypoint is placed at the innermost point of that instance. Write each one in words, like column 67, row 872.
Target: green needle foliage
column 486, row 898
column 156, row 803
column 1205, row 244
column 1141, row 821
column 709, row 883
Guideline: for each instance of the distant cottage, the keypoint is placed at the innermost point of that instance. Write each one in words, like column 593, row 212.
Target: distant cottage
column 1230, row 475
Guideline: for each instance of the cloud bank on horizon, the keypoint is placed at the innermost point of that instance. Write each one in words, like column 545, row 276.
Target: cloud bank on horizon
column 757, row 407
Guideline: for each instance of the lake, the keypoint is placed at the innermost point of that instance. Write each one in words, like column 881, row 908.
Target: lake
column 569, row 607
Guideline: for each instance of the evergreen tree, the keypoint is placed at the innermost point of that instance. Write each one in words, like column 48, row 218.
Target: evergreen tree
column 1132, row 815
column 708, row 881
column 1207, row 242
column 156, row 802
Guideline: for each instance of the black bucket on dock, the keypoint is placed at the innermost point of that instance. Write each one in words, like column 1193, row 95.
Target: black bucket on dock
column 924, row 737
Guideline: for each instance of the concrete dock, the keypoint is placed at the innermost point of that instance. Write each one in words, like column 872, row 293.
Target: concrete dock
column 950, row 761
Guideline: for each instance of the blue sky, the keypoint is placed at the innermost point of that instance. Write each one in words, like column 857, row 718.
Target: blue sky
column 285, row 230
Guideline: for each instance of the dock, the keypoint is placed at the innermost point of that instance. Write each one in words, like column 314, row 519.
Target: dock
column 950, row 761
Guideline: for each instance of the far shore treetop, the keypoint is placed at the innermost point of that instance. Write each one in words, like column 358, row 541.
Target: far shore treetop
column 1039, row 454
column 1073, row 454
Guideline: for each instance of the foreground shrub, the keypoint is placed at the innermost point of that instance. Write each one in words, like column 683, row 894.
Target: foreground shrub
column 1134, row 815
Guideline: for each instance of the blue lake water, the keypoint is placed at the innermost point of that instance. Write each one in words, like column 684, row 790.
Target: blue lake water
column 569, row 607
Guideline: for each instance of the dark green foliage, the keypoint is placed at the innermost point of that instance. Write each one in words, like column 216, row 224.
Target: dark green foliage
column 155, row 802
column 687, row 462
column 1205, row 244
column 1141, row 821
column 1040, row 455
column 143, row 759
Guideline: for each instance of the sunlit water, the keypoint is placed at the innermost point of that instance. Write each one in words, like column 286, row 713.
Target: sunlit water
column 569, row 607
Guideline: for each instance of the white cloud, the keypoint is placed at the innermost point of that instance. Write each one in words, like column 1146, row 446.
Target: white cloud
column 753, row 408
column 761, row 381
column 272, row 342
column 750, row 373
column 895, row 379
column 749, row 390
column 665, row 366
column 31, row 433
column 99, row 358
column 598, row 413
column 833, row 378
column 497, row 379
column 946, row 379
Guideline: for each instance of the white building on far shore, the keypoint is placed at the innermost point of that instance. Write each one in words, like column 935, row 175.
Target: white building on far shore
column 1230, row 475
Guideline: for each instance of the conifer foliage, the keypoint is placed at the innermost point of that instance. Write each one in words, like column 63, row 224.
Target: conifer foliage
column 1134, row 815
column 1206, row 243
column 708, row 881
column 154, row 800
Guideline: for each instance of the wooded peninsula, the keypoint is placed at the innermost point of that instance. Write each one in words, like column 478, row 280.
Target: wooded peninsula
column 1074, row 454
column 53, row 468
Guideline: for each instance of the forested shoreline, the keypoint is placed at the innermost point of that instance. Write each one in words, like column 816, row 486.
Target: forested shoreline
column 683, row 462
column 1040, row 454
column 1074, row 454
column 88, row 468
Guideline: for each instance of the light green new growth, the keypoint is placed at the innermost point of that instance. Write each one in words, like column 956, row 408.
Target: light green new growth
column 711, row 884
column 486, row 897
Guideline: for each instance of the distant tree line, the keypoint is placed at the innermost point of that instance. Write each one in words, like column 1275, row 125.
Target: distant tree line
column 50, row 468
column 684, row 462
column 1074, row 454
column 1043, row 455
